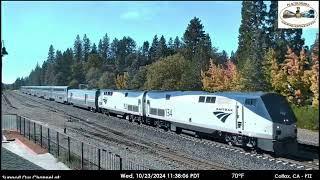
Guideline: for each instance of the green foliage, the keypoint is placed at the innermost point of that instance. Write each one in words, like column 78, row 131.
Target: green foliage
column 77, row 72
column 170, row 73
column 107, row 80
column 74, row 83
column 278, row 39
column 307, row 117
column 122, row 81
column 139, row 79
column 78, row 49
column 92, row 77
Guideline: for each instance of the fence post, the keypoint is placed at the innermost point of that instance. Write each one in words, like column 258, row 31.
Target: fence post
column 99, row 162
column 41, row 135
column 24, row 127
column 49, row 140
column 17, row 123
column 69, row 154
column 29, row 129
column 82, row 158
column 58, row 143
column 20, row 125
column 34, row 132
column 120, row 161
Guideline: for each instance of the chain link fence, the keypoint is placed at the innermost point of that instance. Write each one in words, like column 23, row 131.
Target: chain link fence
column 74, row 153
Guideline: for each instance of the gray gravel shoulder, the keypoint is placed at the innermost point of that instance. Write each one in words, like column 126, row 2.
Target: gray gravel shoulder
column 308, row 137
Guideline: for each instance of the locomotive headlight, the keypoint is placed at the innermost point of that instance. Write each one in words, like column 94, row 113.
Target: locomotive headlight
column 278, row 127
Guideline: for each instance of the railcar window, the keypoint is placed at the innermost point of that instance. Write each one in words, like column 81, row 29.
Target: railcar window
column 210, row 99
column 251, row 102
column 202, row 98
column 168, row 97
column 160, row 112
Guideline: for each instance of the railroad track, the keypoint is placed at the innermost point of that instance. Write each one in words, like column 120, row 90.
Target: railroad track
column 6, row 100
column 298, row 164
column 108, row 134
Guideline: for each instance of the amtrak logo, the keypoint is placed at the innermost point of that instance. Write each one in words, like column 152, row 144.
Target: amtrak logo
column 221, row 115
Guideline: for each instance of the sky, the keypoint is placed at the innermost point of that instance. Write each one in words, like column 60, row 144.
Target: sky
column 29, row 28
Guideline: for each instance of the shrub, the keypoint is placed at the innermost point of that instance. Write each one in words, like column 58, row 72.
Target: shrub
column 307, row 117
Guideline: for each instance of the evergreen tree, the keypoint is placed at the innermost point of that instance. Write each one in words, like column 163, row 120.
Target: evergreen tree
column 278, row 39
column 193, row 35
column 153, row 49
column 145, row 53
column 94, row 49
column 104, row 47
column 51, row 55
column 161, row 50
column 177, row 44
column 170, row 49
column 50, row 73
column 58, row 68
column 78, row 49
column 251, row 49
column 86, row 47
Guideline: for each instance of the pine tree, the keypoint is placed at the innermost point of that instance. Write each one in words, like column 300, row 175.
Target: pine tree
column 170, row 49
column 94, row 49
column 104, row 47
column 50, row 70
column 78, row 49
column 145, row 53
column 161, row 50
column 86, row 47
column 278, row 39
column 193, row 35
column 153, row 49
column 252, row 45
column 177, row 44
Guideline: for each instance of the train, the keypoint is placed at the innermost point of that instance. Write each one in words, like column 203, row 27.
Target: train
column 256, row 120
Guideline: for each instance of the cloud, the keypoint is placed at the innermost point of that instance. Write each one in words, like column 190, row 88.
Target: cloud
column 131, row 15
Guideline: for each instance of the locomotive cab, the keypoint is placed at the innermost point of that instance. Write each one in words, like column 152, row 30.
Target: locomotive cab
column 284, row 129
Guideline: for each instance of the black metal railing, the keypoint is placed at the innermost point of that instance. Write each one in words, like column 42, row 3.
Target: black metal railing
column 69, row 150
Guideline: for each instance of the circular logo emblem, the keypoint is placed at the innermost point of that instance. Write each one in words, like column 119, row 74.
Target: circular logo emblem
column 298, row 14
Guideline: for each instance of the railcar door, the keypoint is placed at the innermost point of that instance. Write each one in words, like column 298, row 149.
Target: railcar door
column 85, row 98
column 239, row 117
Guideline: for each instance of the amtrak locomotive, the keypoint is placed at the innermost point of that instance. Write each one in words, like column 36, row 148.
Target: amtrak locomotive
column 255, row 119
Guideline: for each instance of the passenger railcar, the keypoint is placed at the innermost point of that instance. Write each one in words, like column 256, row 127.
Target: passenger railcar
column 84, row 98
column 126, row 103
column 60, row 94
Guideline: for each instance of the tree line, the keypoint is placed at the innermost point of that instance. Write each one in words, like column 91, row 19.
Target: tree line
column 267, row 59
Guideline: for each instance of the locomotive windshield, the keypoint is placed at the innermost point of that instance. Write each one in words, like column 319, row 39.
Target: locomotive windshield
column 279, row 109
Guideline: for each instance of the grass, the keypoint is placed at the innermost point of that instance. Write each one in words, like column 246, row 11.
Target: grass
column 307, row 117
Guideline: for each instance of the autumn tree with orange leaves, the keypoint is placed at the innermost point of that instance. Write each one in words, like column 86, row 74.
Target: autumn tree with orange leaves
column 291, row 79
column 122, row 81
column 314, row 73
column 219, row 78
